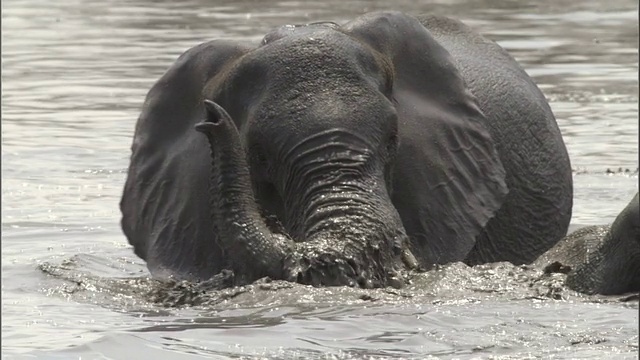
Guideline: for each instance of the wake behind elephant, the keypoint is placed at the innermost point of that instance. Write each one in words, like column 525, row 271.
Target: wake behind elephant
column 344, row 155
column 600, row 259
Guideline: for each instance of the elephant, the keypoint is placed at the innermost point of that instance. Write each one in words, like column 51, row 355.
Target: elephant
column 600, row 259
column 345, row 155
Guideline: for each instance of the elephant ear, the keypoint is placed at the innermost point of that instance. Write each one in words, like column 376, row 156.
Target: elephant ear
column 448, row 179
column 165, row 209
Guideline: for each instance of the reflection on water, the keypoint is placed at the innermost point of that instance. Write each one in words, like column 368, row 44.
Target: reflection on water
column 74, row 75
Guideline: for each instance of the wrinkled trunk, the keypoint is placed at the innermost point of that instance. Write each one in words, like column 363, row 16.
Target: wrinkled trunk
column 252, row 249
column 338, row 208
column 352, row 237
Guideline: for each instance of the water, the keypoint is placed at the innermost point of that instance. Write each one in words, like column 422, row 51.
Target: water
column 74, row 75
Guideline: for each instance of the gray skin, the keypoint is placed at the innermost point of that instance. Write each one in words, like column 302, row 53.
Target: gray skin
column 343, row 155
column 600, row 259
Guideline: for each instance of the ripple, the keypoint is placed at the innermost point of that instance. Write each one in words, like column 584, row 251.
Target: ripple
column 74, row 77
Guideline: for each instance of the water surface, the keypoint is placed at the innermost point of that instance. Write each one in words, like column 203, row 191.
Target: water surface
column 74, row 75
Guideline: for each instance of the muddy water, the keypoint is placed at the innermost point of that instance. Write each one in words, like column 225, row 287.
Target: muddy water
column 74, row 75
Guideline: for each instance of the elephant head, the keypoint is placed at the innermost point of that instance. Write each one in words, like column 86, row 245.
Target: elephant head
column 315, row 150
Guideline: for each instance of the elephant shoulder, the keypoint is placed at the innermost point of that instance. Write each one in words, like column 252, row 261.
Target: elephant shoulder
column 450, row 32
column 486, row 67
column 439, row 25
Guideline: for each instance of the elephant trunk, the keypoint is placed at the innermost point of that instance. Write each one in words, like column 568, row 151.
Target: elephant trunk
column 252, row 249
column 361, row 228
column 337, row 207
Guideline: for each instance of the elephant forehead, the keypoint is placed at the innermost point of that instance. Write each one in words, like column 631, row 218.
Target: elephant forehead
column 316, row 54
column 288, row 30
column 309, row 82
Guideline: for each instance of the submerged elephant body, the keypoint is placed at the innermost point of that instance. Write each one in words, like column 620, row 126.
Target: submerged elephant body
column 600, row 259
column 343, row 154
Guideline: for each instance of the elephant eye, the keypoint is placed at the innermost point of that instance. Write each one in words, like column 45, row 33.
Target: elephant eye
column 258, row 162
column 392, row 144
column 262, row 160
